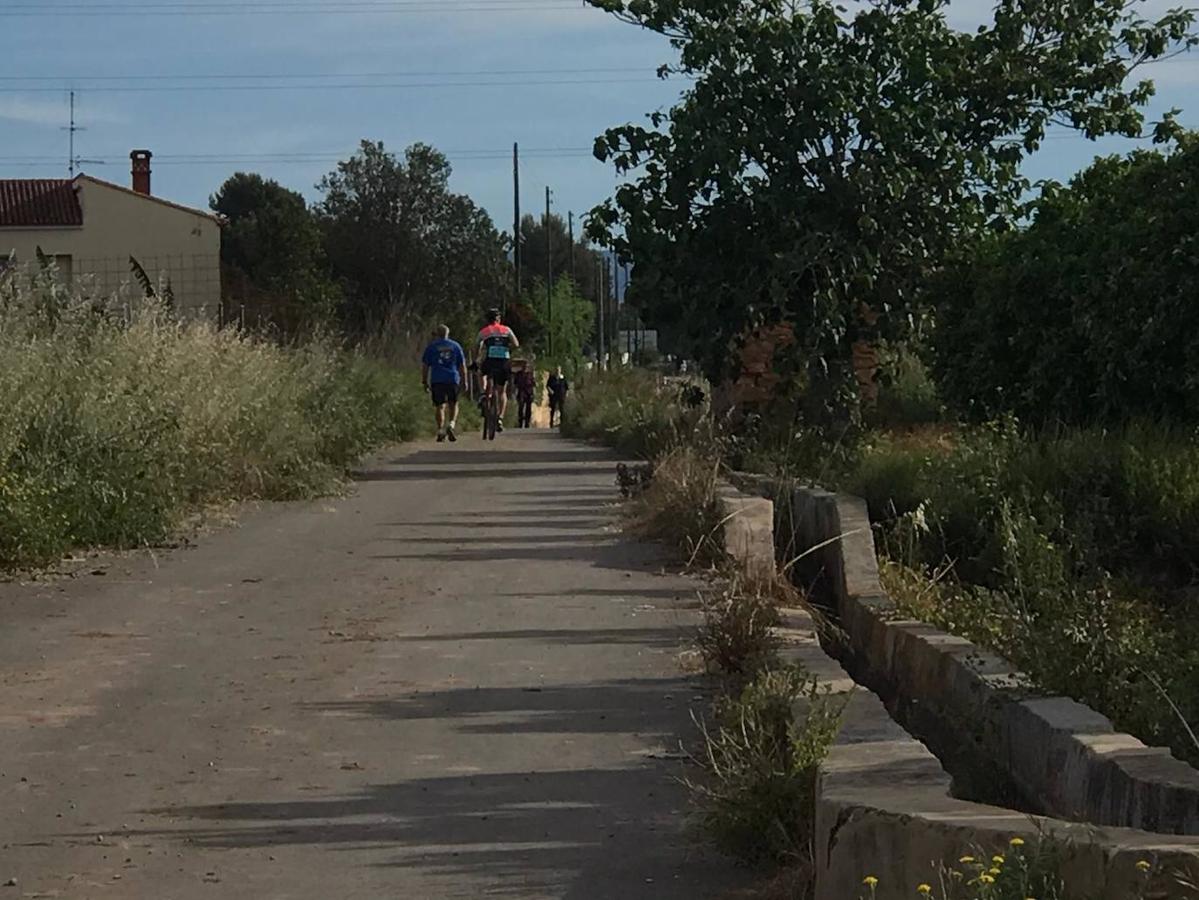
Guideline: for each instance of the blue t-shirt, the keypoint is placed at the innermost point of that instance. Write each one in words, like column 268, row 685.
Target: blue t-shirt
column 444, row 359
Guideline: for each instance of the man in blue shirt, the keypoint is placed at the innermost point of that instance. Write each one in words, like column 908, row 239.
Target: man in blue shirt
column 443, row 371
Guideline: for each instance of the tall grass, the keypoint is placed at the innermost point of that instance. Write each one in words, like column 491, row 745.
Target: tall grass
column 115, row 426
column 635, row 411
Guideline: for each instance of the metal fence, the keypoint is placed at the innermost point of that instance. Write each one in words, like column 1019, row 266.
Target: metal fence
column 192, row 281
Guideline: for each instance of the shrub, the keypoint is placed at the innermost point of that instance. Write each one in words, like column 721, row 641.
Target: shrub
column 762, row 761
column 679, row 507
column 634, row 411
column 737, row 637
column 114, row 429
column 907, row 395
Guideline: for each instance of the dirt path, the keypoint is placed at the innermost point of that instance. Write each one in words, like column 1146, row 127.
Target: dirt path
column 457, row 682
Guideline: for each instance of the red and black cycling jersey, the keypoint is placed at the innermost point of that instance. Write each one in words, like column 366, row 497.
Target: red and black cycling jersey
column 498, row 341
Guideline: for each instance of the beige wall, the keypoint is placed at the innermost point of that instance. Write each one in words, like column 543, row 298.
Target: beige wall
column 168, row 241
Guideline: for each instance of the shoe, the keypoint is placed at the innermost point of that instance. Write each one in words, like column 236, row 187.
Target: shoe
column 450, row 434
column 440, row 436
column 499, row 426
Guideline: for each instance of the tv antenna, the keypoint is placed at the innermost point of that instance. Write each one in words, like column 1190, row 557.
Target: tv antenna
column 73, row 161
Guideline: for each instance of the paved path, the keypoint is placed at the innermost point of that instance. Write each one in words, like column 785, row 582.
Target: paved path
column 458, row 682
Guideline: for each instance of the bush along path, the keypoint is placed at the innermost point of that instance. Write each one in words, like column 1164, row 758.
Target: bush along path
column 115, row 426
column 792, row 765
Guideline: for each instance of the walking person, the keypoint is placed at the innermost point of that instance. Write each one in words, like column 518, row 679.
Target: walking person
column 526, row 387
column 443, row 372
column 557, row 386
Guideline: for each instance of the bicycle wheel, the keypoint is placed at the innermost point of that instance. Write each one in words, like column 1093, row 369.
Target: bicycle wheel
column 489, row 417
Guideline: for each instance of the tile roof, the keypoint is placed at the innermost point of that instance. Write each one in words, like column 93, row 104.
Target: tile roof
column 39, row 202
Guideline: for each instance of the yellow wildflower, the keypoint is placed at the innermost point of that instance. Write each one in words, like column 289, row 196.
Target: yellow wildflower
column 966, row 859
column 870, row 881
column 994, row 870
column 1017, row 842
column 998, row 860
column 1144, row 865
column 986, row 879
column 924, row 888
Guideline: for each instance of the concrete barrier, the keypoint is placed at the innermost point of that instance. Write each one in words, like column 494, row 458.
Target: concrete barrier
column 1067, row 760
column 884, row 807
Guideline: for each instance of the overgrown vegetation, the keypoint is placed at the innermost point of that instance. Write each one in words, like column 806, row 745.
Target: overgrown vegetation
column 1033, row 869
column 762, row 761
column 1018, row 872
column 1066, row 552
column 737, row 637
column 679, row 506
column 113, row 430
column 636, row 412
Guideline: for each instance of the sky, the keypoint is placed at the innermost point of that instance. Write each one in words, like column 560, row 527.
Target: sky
column 287, row 87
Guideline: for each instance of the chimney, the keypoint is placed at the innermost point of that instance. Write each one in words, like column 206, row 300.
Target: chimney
column 141, row 171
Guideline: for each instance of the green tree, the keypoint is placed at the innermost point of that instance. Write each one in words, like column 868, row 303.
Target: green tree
column 571, row 322
column 407, row 249
column 533, row 255
column 825, row 160
column 1088, row 314
column 271, row 253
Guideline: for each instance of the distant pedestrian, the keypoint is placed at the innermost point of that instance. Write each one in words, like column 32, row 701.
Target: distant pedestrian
column 443, row 372
column 526, row 387
column 557, row 386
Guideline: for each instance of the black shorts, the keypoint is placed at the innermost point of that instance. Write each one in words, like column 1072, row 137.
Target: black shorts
column 443, row 393
column 498, row 370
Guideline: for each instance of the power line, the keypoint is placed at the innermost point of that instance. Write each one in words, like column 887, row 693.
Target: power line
column 289, row 4
column 287, row 76
column 398, row 85
column 288, row 7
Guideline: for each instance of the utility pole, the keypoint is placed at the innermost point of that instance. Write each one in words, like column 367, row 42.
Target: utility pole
column 549, row 273
column 570, row 218
column 516, row 214
column 632, row 326
column 600, row 302
column 615, row 304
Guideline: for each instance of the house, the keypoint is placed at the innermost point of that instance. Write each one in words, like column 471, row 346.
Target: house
column 100, row 233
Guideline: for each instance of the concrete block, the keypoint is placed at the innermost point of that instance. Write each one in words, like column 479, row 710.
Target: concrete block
column 859, row 559
column 748, row 530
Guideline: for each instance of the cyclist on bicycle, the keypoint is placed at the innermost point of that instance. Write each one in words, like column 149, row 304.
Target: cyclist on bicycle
column 496, row 343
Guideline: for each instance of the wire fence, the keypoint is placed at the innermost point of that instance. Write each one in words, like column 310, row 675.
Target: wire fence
column 193, row 282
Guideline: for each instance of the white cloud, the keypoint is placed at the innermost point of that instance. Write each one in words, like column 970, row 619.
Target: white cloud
column 33, row 112
column 54, row 111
